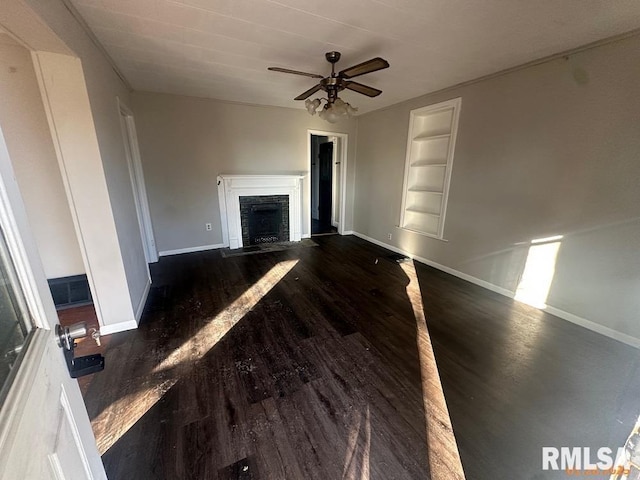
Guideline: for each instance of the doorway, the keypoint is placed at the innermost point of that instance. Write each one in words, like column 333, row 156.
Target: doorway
column 327, row 157
column 321, row 185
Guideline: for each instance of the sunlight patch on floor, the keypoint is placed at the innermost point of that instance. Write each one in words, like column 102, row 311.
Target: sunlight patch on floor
column 444, row 458
column 356, row 462
column 218, row 327
column 121, row 415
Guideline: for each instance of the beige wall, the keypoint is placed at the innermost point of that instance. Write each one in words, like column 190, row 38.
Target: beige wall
column 548, row 150
column 186, row 142
column 24, row 123
column 104, row 87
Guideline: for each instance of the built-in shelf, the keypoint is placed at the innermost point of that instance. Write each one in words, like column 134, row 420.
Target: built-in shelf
column 426, row 136
column 422, row 212
column 425, row 190
column 430, row 145
column 427, row 163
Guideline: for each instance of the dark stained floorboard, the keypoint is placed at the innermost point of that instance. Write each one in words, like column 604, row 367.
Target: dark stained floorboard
column 321, row 378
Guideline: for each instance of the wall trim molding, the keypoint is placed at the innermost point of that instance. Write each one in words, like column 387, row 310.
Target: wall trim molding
column 570, row 317
column 143, row 301
column 97, row 43
column 595, row 327
column 118, row 327
column 202, row 248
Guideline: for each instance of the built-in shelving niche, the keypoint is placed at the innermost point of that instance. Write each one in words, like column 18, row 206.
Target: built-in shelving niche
column 430, row 146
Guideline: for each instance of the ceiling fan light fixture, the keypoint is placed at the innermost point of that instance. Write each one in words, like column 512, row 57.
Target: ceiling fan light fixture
column 336, row 108
column 333, row 111
column 340, row 107
column 312, row 105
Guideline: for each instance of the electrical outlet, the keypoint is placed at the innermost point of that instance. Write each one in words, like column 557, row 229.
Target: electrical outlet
column 389, row 236
column 207, row 227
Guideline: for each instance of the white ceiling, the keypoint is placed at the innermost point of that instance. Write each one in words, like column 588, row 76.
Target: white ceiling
column 221, row 48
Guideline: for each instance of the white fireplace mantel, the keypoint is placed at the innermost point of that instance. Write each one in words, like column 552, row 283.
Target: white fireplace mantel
column 232, row 187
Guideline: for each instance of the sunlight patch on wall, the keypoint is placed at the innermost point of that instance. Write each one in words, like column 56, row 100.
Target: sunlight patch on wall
column 539, row 271
column 116, row 420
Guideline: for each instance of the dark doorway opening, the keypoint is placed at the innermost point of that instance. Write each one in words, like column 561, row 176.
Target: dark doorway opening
column 321, row 185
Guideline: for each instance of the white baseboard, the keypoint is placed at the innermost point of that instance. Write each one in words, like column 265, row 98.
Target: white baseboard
column 593, row 326
column 129, row 324
column 118, row 327
column 583, row 322
column 305, row 235
column 348, row 232
column 201, row 248
column 143, row 301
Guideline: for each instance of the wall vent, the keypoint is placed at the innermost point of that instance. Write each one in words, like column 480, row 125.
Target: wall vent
column 70, row 291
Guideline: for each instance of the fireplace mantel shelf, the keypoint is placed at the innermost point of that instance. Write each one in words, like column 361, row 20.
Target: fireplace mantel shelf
column 269, row 176
column 232, row 187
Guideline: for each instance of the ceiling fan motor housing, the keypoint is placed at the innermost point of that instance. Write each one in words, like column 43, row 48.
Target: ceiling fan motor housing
column 332, row 85
column 332, row 57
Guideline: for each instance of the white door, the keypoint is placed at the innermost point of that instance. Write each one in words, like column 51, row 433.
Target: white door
column 44, row 428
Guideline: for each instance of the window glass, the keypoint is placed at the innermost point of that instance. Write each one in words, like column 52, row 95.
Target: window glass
column 15, row 321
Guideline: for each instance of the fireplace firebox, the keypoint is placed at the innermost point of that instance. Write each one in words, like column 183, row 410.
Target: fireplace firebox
column 264, row 219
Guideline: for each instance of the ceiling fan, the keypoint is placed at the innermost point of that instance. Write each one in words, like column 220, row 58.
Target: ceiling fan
column 335, row 107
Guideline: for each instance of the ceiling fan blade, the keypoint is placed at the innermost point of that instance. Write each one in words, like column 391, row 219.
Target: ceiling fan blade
column 363, row 89
column 308, row 93
column 295, row 72
column 369, row 66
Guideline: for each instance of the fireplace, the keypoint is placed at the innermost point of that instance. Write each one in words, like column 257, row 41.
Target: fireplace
column 285, row 191
column 264, row 219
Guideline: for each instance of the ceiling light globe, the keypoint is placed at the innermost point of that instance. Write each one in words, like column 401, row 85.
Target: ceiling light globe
column 312, row 105
column 331, row 115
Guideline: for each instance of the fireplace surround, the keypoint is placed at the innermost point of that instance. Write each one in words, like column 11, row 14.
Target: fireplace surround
column 231, row 188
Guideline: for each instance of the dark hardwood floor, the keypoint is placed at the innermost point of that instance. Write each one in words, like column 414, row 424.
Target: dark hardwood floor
column 516, row 379
column 322, row 228
column 316, row 363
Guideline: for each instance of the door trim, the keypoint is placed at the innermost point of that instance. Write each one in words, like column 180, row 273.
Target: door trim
column 342, row 145
column 136, row 173
column 335, row 167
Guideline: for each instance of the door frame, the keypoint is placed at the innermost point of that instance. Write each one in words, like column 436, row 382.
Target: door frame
column 136, row 173
column 335, row 167
column 340, row 149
